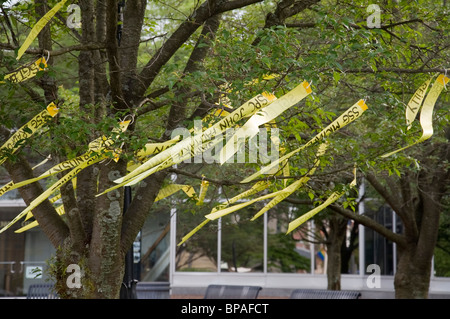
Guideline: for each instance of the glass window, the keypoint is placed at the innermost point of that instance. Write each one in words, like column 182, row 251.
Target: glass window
column 154, row 245
column 242, row 242
column 287, row 253
column 199, row 253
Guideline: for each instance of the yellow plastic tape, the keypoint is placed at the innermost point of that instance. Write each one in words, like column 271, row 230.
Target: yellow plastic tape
column 9, row 186
column 279, row 195
column 415, row 103
column 179, row 151
column 96, row 157
column 52, row 171
column 426, row 114
column 351, row 114
column 192, row 232
column 173, row 188
column 265, row 115
column 294, row 186
column 95, row 146
column 26, row 72
column 202, row 193
column 59, row 210
column 258, row 187
column 37, row 28
column 27, row 130
column 155, row 148
column 53, row 188
column 333, row 197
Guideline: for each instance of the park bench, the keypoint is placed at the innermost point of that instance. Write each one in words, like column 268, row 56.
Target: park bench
column 324, row 294
column 231, row 292
column 153, row 290
column 41, row 291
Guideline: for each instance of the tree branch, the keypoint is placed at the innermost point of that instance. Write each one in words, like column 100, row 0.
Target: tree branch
column 208, row 9
column 49, row 220
column 369, row 222
column 57, row 52
column 113, row 54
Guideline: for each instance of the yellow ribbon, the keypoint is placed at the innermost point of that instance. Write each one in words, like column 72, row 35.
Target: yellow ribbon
column 184, row 149
column 27, row 130
column 202, row 193
column 265, row 115
column 279, row 195
column 345, row 118
column 333, row 197
column 26, row 72
column 37, row 28
column 96, row 155
column 426, row 114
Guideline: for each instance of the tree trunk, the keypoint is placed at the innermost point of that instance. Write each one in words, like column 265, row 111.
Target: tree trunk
column 336, row 236
column 412, row 279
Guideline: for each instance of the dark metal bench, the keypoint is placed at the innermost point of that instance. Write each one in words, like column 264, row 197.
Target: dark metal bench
column 42, row 291
column 153, row 290
column 324, row 294
column 232, row 292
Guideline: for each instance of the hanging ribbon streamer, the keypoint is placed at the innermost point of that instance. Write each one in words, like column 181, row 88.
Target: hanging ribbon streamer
column 267, row 114
column 279, row 195
column 192, row 232
column 26, row 72
column 9, row 186
column 202, row 193
column 173, row 188
column 292, row 188
column 333, row 198
column 97, row 145
column 26, row 131
column 37, row 28
column 344, row 119
column 190, row 146
column 415, row 103
column 97, row 150
column 258, row 187
column 59, row 210
column 52, row 189
column 155, row 148
column 52, row 171
column 223, row 209
column 426, row 114
column 163, row 193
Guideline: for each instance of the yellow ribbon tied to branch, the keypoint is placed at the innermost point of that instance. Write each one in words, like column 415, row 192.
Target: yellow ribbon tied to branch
column 278, row 196
column 26, row 72
column 351, row 114
column 330, row 200
column 426, row 113
column 258, row 187
column 265, row 115
column 26, row 131
column 192, row 145
column 37, row 28
column 96, row 154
